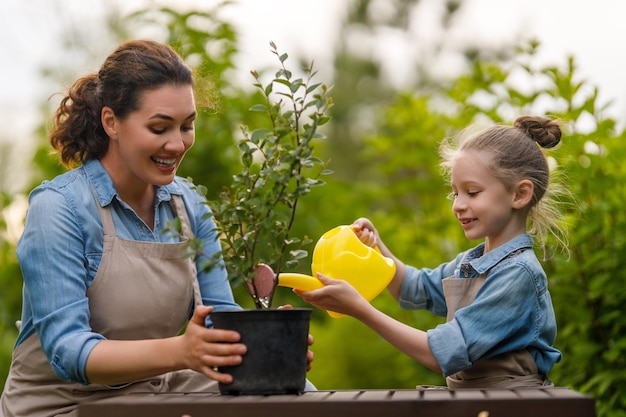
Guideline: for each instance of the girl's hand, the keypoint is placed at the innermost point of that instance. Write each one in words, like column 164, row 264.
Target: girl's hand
column 337, row 295
column 366, row 232
column 205, row 349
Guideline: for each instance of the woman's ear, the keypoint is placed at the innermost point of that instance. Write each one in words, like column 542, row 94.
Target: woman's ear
column 108, row 120
column 523, row 194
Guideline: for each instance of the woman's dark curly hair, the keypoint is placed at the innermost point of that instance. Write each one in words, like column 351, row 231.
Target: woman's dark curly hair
column 134, row 67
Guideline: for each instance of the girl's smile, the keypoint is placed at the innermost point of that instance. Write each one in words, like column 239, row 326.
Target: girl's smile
column 467, row 223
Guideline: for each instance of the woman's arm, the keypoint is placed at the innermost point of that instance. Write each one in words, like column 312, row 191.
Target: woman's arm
column 56, row 260
column 199, row 348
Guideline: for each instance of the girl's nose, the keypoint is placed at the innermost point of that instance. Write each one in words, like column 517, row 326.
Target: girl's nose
column 459, row 204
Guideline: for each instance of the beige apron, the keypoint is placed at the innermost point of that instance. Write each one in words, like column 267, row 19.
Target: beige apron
column 508, row 370
column 142, row 290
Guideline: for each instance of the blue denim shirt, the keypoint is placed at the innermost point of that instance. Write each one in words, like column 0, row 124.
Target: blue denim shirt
column 512, row 310
column 60, row 251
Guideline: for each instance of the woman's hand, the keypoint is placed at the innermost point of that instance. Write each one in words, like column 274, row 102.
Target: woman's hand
column 310, row 356
column 205, row 349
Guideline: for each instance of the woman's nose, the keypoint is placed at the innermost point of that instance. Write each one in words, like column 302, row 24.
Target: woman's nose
column 176, row 143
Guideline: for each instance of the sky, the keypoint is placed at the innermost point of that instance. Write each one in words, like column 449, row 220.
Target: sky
column 596, row 36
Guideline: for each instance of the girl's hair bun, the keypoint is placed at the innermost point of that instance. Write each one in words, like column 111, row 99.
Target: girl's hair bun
column 546, row 132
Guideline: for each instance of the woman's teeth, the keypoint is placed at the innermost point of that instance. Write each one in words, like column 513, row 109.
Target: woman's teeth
column 165, row 162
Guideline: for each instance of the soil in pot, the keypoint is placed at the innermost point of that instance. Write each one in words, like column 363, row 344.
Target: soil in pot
column 277, row 344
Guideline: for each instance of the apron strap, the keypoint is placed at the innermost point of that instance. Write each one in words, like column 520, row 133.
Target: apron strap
column 179, row 210
column 460, row 292
column 105, row 215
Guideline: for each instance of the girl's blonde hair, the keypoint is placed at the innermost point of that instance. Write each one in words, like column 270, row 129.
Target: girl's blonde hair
column 516, row 156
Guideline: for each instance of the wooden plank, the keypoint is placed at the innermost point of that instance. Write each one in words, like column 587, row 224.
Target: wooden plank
column 501, row 394
column 562, row 392
column 529, row 393
column 405, row 395
column 469, row 394
column 352, row 403
column 336, row 396
column 376, row 395
column 437, row 394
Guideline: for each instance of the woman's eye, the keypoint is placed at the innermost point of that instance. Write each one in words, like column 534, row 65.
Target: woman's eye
column 188, row 128
column 157, row 131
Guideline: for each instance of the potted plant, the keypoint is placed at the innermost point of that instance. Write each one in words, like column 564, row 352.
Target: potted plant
column 255, row 215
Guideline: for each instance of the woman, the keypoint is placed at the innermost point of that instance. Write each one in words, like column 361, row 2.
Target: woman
column 106, row 292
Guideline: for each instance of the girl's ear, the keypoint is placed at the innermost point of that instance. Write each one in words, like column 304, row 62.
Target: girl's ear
column 523, row 194
column 107, row 117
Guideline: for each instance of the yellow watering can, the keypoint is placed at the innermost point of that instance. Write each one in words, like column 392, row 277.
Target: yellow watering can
column 340, row 254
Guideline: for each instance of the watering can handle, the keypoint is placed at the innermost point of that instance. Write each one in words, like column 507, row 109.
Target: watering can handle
column 304, row 283
column 299, row 281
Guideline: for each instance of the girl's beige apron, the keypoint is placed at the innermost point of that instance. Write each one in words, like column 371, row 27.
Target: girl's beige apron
column 142, row 290
column 508, row 370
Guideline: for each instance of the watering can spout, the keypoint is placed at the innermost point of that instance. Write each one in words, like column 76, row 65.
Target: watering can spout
column 339, row 254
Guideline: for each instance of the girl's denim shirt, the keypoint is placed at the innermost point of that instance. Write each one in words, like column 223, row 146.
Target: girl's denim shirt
column 60, row 251
column 512, row 310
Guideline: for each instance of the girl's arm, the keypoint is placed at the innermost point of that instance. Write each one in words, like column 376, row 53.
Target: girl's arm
column 339, row 296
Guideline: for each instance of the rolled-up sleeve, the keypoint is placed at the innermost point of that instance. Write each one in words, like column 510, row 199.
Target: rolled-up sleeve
column 51, row 253
column 449, row 347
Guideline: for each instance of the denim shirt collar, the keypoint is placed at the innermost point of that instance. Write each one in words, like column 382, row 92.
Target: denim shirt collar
column 480, row 262
column 105, row 189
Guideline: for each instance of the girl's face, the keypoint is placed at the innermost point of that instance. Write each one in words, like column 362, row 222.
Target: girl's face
column 482, row 204
column 148, row 145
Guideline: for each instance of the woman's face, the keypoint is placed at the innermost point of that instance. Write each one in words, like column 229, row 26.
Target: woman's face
column 148, row 145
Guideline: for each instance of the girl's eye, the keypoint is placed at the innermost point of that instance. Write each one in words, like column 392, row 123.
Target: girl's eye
column 452, row 196
column 472, row 193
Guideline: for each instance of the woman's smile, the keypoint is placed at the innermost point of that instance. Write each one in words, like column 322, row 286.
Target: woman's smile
column 165, row 164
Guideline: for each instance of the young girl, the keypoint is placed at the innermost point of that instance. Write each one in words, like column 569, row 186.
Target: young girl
column 500, row 321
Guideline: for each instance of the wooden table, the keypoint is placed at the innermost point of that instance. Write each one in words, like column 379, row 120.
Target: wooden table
column 527, row 402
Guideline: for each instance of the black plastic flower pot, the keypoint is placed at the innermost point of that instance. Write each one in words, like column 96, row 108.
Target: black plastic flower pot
column 277, row 344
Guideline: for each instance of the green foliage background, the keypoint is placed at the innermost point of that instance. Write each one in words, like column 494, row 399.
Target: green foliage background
column 383, row 146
